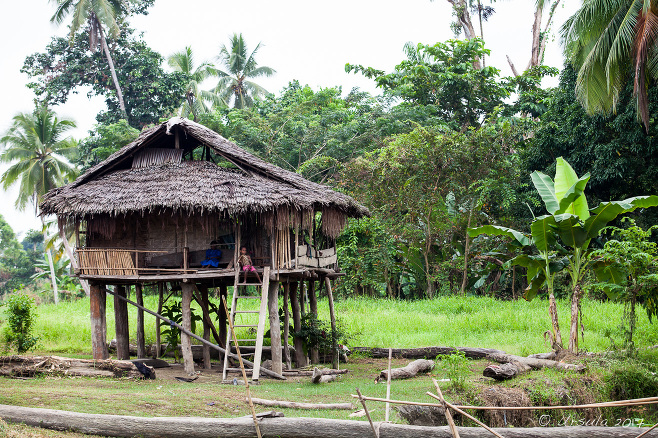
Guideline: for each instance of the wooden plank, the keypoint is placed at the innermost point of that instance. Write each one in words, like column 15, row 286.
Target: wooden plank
column 141, row 344
column 275, row 326
column 97, row 315
column 326, row 261
column 121, row 323
column 186, row 342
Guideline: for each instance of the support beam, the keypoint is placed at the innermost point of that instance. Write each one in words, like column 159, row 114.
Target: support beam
column 286, row 324
column 200, row 339
column 313, row 304
column 332, row 315
column 275, row 326
column 158, row 331
column 121, row 323
column 97, row 299
column 141, row 344
column 206, row 325
column 300, row 358
column 186, row 341
column 222, row 320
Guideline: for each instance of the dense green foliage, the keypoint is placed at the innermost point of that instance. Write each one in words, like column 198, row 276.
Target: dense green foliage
column 19, row 332
column 103, row 141
column 16, row 267
column 149, row 92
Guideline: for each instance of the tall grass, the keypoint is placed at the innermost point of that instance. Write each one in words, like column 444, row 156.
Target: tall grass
column 513, row 326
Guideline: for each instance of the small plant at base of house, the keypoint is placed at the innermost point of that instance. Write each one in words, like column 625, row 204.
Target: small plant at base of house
column 456, row 369
column 20, row 323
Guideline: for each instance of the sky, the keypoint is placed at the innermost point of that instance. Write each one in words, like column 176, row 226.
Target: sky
column 307, row 41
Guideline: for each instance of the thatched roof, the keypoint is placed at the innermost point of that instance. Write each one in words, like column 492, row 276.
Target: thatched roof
column 117, row 186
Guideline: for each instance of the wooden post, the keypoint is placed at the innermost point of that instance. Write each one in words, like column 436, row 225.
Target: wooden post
column 275, row 326
column 300, row 358
column 97, row 311
column 286, row 324
column 332, row 315
column 186, row 341
column 121, row 324
column 313, row 302
column 186, row 257
column 223, row 292
column 206, row 326
column 141, row 344
column 158, row 331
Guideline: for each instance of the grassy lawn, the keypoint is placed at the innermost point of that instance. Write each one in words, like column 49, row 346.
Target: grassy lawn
column 516, row 327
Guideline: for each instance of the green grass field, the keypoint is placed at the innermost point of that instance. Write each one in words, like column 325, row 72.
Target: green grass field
column 513, row 326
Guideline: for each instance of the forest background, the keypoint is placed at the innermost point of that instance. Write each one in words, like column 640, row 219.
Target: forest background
column 448, row 145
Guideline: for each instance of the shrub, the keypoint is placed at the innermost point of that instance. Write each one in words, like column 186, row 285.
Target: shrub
column 20, row 320
column 456, row 368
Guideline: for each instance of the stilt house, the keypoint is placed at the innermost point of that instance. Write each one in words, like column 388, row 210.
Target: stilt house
column 174, row 208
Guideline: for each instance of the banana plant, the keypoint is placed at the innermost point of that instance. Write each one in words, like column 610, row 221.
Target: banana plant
column 562, row 237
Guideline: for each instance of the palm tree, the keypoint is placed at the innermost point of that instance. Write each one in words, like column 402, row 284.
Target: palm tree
column 240, row 66
column 608, row 40
column 95, row 14
column 195, row 98
column 36, row 152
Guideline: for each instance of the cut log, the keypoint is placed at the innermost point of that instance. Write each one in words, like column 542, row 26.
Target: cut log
column 319, row 377
column 28, row 366
column 298, row 405
column 536, row 363
column 425, row 352
column 415, row 367
column 196, row 427
column 505, row 371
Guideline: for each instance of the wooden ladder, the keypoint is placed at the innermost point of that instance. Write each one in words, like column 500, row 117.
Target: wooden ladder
column 239, row 288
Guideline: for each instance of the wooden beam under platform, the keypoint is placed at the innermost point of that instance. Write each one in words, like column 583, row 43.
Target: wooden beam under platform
column 225, row 275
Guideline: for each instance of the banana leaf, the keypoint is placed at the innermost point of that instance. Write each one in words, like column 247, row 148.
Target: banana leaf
column 608, row 211
column 571, row 230
column 542, row 232
column 565, row 180
column 495, row 230
column 546, row 189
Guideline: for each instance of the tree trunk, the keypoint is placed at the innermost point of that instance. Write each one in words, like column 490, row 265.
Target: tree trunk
column 74, row 262
column 573, row 330
column 29, row 366
column 536, row 38
column 460, row 7
column 49, row 256
column 113, row 72
column 298, row 405
column 206, row 325
column 552, row 310
column 313, row 301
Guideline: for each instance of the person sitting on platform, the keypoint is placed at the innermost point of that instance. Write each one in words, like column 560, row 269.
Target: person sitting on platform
column 245, row 263
column 213, row 256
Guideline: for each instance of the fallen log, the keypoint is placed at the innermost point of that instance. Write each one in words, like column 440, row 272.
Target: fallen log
column 320, row 377
column 325, row 371
column 425, row 352
column 196, row 427
column 415, row 367
column 299, row 405
column 513, row 365
column 28, row 366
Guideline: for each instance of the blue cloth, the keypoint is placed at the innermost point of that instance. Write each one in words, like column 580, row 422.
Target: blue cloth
column 212, row 258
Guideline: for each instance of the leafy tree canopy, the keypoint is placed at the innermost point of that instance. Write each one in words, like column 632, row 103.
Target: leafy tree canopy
column 614, row 149
column 103, row 141
column 149, row 91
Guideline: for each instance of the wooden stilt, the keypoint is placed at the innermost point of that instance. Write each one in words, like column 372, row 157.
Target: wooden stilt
column 300, row 358
column 186, row 341
column 286, row 324
column 98, row 327
column 332, row 315
column 121, row 324
column 313, row 304
column 158, row 332
column 206, row 325
column 275, row 326
column 141, row 343
column 223, row 292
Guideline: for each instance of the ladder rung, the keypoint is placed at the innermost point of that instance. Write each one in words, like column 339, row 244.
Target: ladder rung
column 246, row 370
column 250, row 297
column 250, row 284
column 245, row 340
column 245, row 325
column 247, row 311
